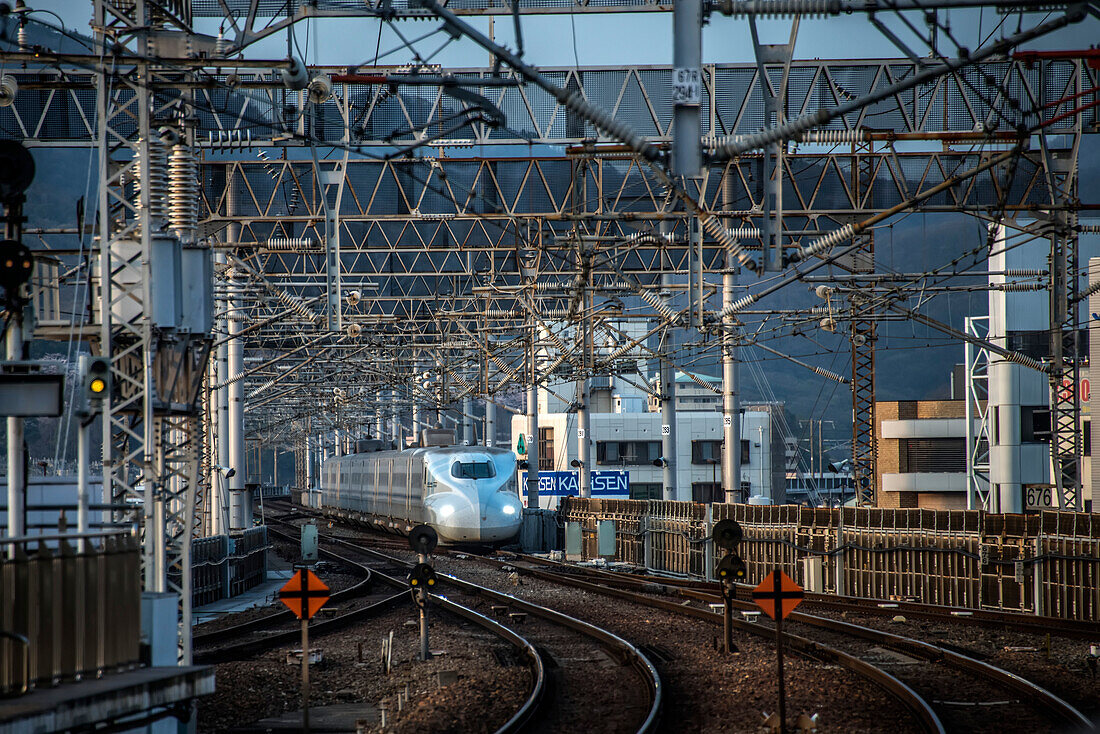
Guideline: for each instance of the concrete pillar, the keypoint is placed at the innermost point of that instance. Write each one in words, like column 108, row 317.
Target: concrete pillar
column 532, row 431
column 731, row 403
column 237, row 458
column 1012, row 462
column 490, row 423
column 687, row 61
column 584, row 439
column 468, row 436
column 668, row 427
column 17, row 475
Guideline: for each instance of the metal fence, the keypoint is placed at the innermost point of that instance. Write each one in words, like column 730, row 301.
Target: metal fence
column 68, row 610
column 1046, row 563
column 227, row 565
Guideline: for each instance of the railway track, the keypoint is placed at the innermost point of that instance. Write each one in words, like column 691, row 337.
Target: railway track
column 1011, row 621
column 565, row 653
column 574, row 654
column 269, row 632
column 965, row 694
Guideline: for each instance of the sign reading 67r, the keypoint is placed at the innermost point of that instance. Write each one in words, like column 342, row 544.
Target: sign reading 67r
column 687, row 87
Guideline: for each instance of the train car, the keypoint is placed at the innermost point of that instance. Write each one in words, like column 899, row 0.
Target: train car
column 467, row 493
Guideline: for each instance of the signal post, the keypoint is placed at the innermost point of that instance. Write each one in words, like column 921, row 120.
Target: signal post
column 778, row 595
column 729, row 570
column 305, row 594
column 423, row 540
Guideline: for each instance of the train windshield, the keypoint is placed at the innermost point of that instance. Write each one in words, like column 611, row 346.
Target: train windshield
column 473, row 470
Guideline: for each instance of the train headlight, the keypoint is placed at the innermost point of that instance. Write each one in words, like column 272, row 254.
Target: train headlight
column 446, row 511
column 508, row 509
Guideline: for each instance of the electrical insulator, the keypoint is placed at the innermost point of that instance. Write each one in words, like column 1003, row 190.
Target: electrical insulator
column 182, row 194
column 153, row 168
column 9, row 89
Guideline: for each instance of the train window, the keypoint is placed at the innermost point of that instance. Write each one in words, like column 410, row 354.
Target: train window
column 473, row 470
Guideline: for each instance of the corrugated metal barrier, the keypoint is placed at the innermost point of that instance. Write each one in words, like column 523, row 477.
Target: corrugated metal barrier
column 223, row 566
column 1046, row 563
column 67, row 612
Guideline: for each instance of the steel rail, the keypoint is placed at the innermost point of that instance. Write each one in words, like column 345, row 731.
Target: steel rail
column 922, row 711
column 527, row 710
column 1026, row 623
column 1064, row 711
column 615, row 644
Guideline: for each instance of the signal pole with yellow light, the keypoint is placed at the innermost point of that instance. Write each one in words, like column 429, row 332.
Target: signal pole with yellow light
column 95, row 384
column 422, row 578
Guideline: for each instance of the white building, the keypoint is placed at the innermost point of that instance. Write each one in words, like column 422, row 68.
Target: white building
column 630, row 441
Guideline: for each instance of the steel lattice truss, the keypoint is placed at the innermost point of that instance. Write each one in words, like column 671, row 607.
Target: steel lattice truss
column 371, row 266
column 59, row 106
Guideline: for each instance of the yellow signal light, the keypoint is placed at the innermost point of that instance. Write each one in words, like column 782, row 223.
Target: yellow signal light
column 98, row 385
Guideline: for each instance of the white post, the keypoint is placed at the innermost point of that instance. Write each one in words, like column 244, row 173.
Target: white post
column 16, row 474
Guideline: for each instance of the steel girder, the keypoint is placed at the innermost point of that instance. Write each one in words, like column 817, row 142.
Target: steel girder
column 57, row 107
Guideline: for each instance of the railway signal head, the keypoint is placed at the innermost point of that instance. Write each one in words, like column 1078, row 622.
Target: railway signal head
column 726, row 534
column 97, row 379
column 16, row 265
column 422, row 576
column 731, row 569
column 423, row 539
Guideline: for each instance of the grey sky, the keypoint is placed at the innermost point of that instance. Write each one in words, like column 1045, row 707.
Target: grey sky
column 618, row 39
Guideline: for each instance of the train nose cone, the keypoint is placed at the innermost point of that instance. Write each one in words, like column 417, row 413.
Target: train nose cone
column 501, row 516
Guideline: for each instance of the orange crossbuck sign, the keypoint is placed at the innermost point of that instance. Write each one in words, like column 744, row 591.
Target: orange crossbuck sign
column 777, row 591
column 304, row 594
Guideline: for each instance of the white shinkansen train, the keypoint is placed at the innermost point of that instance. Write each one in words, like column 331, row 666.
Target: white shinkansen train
column 467, row 493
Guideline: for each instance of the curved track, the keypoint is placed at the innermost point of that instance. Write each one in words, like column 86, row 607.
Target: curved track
column 215, row 652
column 577, row 653
column 1030, row 703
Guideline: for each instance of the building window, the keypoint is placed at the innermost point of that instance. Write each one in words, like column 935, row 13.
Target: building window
column 645, row 490
column 627, row 453
column 935, row 454
column 706, row 452
column 744, row 451
column 707, row 492
column 546, row 449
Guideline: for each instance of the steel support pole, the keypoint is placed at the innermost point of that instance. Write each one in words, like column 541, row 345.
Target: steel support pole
column 490, row 423
column 468, row 438
column 17, row 474
column 668, row 425
column 309, row 464
column 687, row 61
column 234, row 428
column 84, row 421
column 422, row 592
column 395, row 424
column 532, row 431
column 584, row 439
column 731, row 404
column 305, row 671
column 220, row 484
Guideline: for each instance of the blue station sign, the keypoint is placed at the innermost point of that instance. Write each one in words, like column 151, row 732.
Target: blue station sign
column 608, row 483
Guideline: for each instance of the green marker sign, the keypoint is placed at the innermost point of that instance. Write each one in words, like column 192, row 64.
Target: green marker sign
column 521, row 445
